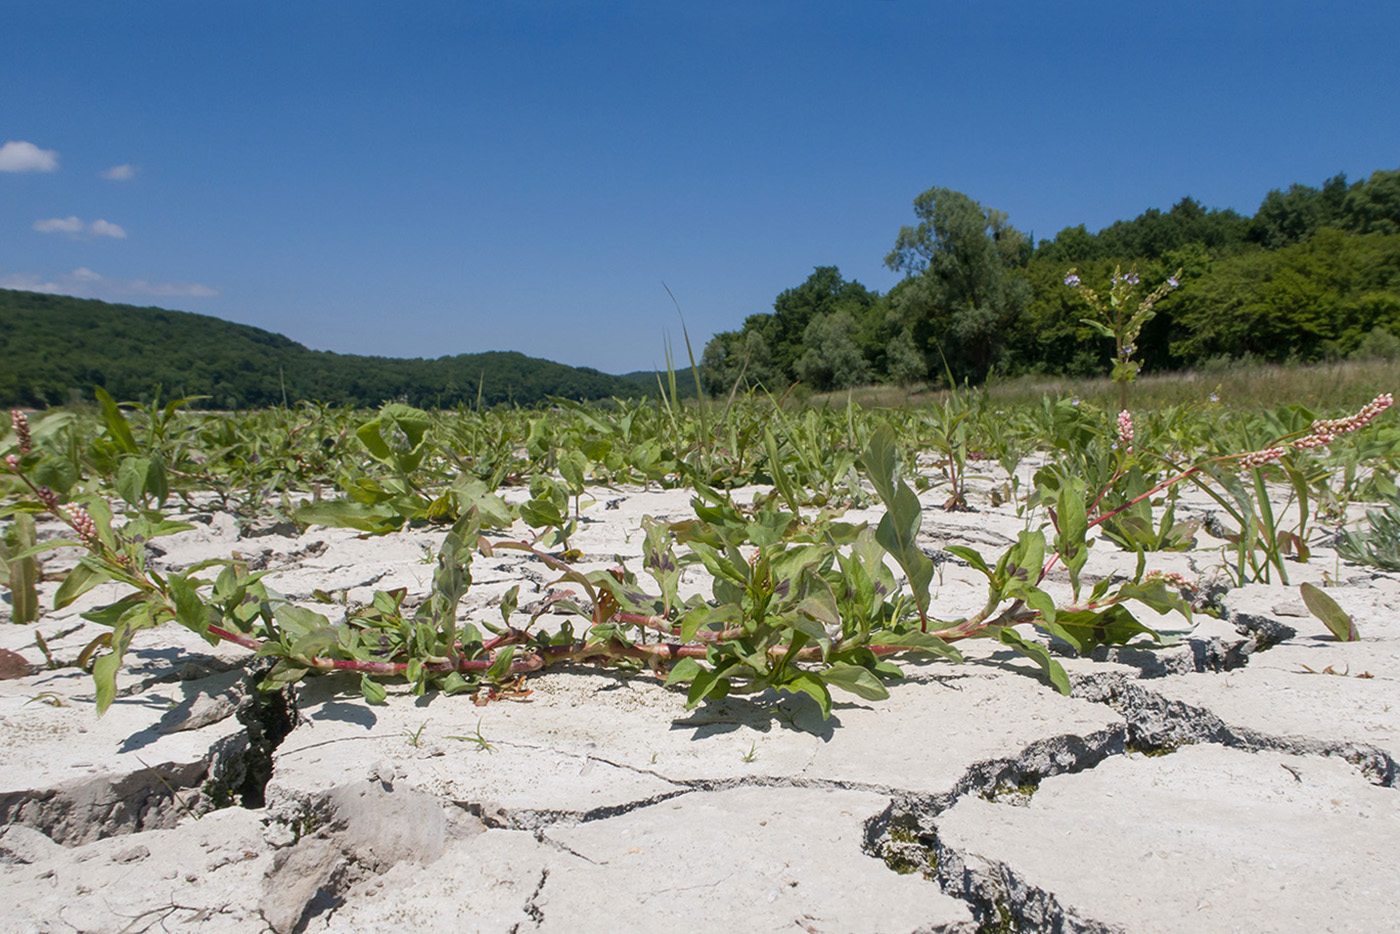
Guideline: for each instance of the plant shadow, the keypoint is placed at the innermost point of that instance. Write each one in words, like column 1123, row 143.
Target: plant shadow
column 762, row 713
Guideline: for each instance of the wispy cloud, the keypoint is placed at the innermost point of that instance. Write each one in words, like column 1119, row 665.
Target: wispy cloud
column 101, row 228
column 119, row 173
column 19, row 156
column 75, row 228
column 85, row 283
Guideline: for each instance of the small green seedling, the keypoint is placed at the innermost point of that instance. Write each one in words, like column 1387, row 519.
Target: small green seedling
column 482, row 744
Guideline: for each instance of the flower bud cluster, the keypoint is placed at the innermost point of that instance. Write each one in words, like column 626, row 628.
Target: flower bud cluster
column 12, row 462
column 1324, row 432
column 20, row 421
column 82, row 524
column 1329, row 428
column 1171, row 579
column 49, row 498
column 1260, row 458
column 1125, row 429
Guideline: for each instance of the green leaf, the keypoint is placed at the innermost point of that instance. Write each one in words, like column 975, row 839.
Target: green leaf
column 104, row 676
column 779, row 473
column 1039, row 654
column 190, row 610
column 377, row 519
column 1337, row 620
column 1070, row 540
column 705, row 684
column 687, row 669
column 509, row 601
column 855, row 680
column 1088, row 629
column 117, row 427
column 899, row 528
column 500, row 667
column 372, row 690
column 311, row 644
column 972, row 557
column 131, row 479
column 82, row 578
column 807, row 683
column 298, row 620
column 917, row 641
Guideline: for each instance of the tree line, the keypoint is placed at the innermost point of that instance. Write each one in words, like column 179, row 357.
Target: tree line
column 54, row 349
column 1314, row 274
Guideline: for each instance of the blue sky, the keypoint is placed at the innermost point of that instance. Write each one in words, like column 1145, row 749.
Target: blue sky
column 433, row 178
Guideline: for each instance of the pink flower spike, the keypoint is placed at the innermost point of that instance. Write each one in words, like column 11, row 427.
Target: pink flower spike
column 20, row 421
column 1125, row 428
column 49, row 498
column 1260, row 458
column 82, row 524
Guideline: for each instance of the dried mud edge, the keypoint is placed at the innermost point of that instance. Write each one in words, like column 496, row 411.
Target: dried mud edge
column 905, row 835
column 233, row 772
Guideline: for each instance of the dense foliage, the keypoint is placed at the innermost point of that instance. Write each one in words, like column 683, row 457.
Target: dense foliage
column 54, row 349
column 1313, row 275
column 800, row 598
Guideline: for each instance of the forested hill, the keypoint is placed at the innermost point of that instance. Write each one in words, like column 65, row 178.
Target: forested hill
column 54, row 349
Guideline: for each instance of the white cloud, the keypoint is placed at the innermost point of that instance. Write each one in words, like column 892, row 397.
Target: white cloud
column 119, row 173
column 18, row 156
column 74, row 228
column 85, row 283
column 101, row 228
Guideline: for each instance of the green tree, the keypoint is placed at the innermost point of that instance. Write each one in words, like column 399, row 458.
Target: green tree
column 824, row 292
column 903, row 362
column 1374, row 205
column 1293, row 216
column 738, row 357
column 967, row 289
column 832, row 359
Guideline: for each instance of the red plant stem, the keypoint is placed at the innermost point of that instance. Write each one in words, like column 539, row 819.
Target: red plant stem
column 1170, row 481
column 662, row 625
column 656, row 655
column 248, row 642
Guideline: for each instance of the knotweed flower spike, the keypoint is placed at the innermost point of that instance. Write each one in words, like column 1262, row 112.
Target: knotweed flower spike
column 1262, row 457
column 1171, row 579
column 12, row 462
column 20, row 421
column 1324, row 432
column 82, row 523
column 1125, row 429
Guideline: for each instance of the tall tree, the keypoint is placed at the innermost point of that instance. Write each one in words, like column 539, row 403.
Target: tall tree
column 824, row 293
column 832, row 359
column 1287, row 217
column 966, row 290
column 1374, row 205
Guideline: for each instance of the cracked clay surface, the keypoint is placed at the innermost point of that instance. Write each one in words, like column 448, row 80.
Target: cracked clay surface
column 1242, row 779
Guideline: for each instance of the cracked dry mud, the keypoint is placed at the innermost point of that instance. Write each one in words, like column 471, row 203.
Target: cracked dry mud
column 1244, row 779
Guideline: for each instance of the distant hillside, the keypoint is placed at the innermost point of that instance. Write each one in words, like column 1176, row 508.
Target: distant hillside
column 647, row 381
column 54, row 348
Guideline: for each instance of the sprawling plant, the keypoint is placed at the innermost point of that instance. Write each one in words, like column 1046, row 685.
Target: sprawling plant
column 799, row 601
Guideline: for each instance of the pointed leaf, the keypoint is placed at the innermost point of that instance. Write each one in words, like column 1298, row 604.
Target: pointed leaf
column 855, row 680
column 1039, row 654
column 1337, row 620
